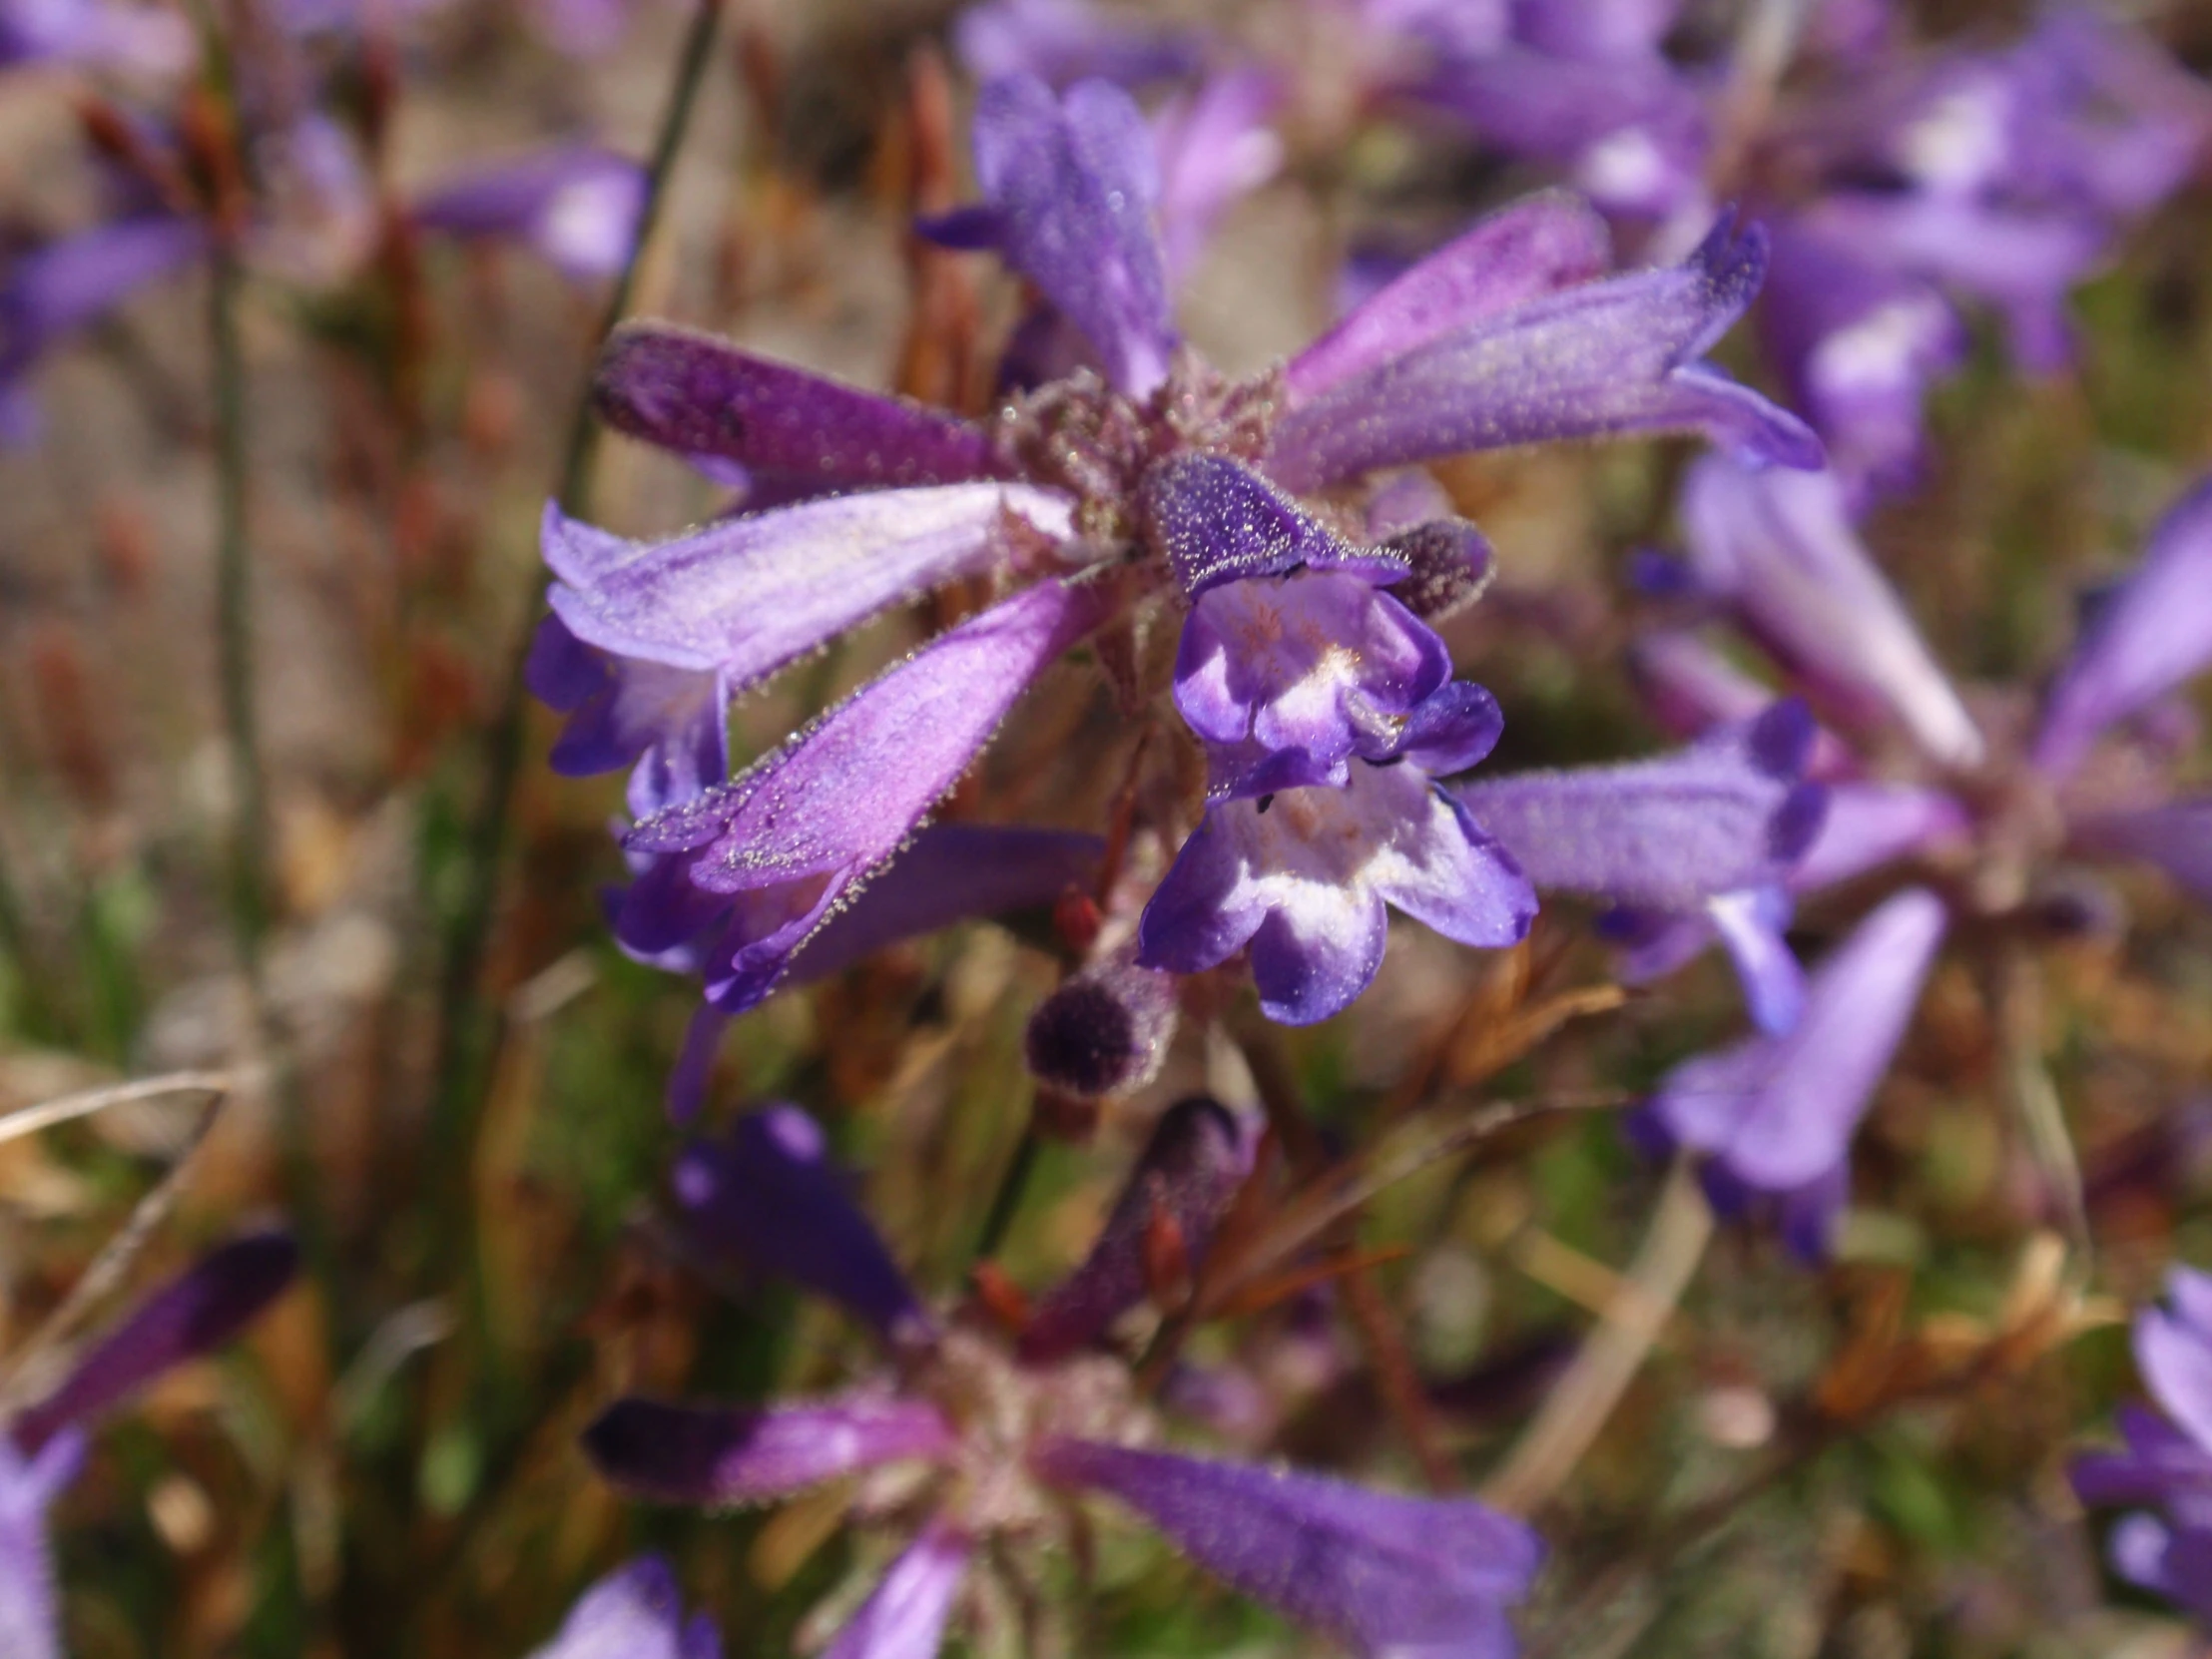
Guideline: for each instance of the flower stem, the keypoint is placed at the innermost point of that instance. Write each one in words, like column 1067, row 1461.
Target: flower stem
column 459, row 1058
column 234, row 620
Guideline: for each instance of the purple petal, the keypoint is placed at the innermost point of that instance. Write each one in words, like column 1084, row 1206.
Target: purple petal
column 695, row 1063
column 1297, row 674
column 1522, row 253
column 1607, row 359
column 1596, row 30
column 790, row 839
column 2148, row 637
column 2121, row 125
column 699, row 395
column 578, row 205
column 1778, row 1112
column 726, row 1455
column 194, row 1313
column 772, row 1198
column 2160, row 1464
column 905, row 1614
column 74, row 281
column 1780, row 547
column 1383, row 1571
column 1187, row 1174
column 1216, row 521
column 2189, row 1294
column 1751, row 926
column 1302, row 879
column 635, row 1612
column 2175, row 1359
column 30, row 1613
column 1214, row 148
column 1074, row 182
column 672, row 722
column 747, row 595
column 1061, row 40
column 948, row 873
column 1727, row 814
column 1871, row 825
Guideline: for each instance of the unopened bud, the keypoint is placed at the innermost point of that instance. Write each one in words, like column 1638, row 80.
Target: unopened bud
column 1104, row 1032
column 1451, row 563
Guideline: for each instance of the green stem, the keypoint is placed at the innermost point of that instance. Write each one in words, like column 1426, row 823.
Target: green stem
column 456, row 1093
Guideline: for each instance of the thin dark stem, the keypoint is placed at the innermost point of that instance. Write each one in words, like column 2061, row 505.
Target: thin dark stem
column 234, row 620
column 1007, row 1200
column 458, row 1058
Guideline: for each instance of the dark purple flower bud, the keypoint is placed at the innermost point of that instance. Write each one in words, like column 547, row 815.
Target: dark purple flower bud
column 1072, row 184
column 194, row 1313
column 701, row 396
column 1183, row 1181
column 1522, row 253
column 2176, row 836
column 635, row 1612
column 1603, row 359
column 905, row 1614
column 790, row 840
column 1389, row 1574
column 30, row 1613
column 2147, row 638
column 1104, row 1032
column 772, row 1198
column 1777, row 1113
column 577, row 205
column 1452, row 565
column 727, row 1457
column 1730, row 812
column 1302, row 879
column 1780, row 546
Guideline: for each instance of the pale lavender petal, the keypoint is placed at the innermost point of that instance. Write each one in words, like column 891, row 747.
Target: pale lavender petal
column 905, row 1614
column 1302, row 879
column 1520, row 253
column 1596, row 30
column 1186, row 1176
column 723, row 1456
column 1214, row 520
column 1780, row 545
column 2122, row 125
column 30, row 1614
column 578, row 205
column 73, row 281
column 700, row 395
column 635, row 1612
column 1752, row 925
column 1061, row 40
column 1215, row 147
column 134, row 39
column 2175, row 1359
column 2189, row 1295
column 1778, row 1113
column 747, row 595
column 790, row 839
column 2149, row 637
column 771, row 1198
column 1074, row 183
column 1727, row 814
column 194, row 1313
column 1623, row 356
column 1389, row 1573
column 1871, row 824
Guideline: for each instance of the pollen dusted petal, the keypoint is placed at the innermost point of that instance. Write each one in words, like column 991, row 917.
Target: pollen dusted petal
column 1621, row 355
column 727, row 1456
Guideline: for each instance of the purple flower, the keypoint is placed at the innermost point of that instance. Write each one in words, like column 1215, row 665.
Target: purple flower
column 1775, row 1114
column 1300, row 878
column 780, row 849
column 635, row 1612
column 68, row 284
column 132, row 39
column 577, row 205
column 2174, row 835
column 997, row 1436
column 1778, row 547
column 1733, row 811
column 1060, row 42
column 42, row 1446
column 2146, row 639
column 2167, row 1465
column 1621, row 356
column 1215, row 147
